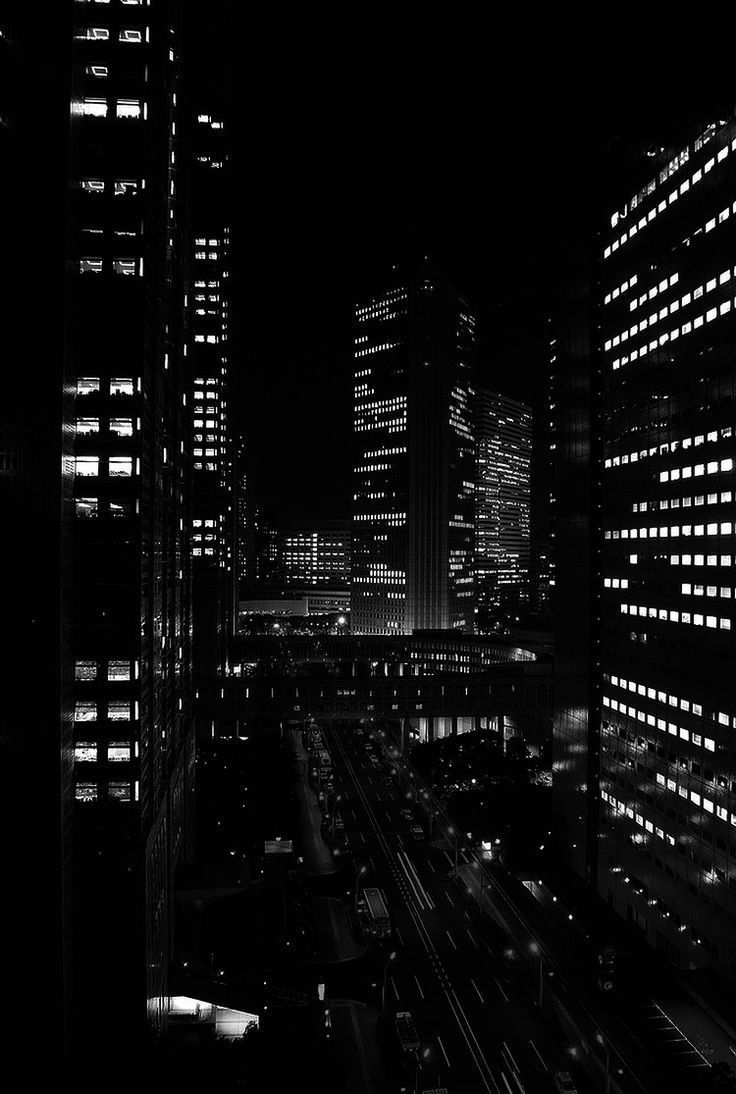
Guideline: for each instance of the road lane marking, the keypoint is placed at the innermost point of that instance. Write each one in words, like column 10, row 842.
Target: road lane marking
column 477, row 990
column 479, row 1059
column 431, row 865
column 454, row 943
column 506, row 1082
column 393, row 985
column 447, row 856
column 510, row 1056
column 472, row 939
column 399, row 936
column 419, row 986
column 539, row 1055
column 449, row 899
column 503, row 993
column 442, row 1047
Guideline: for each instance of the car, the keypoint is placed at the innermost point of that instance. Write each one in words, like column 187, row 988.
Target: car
column 407, row 814
column 417, row 832
column 564, row 1083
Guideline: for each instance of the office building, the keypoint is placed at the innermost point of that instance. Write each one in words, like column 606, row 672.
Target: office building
column 645, row 716
column 208, row 313
column 95, row 472
column 502, row 547
column 316, row 555
column 414, row 470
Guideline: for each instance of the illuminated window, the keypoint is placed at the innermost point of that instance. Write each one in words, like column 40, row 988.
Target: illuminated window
column 131, row 34
column 120, row 466
column 85, row 711
column 118, row 710
column 94, row 108
column 128, row 267
column 86, row 792
column 128, row 108
column 95, row 34
column 90, row 265
column 92, row 186
column 118, row 752
column 125, row 188
column 88, row 425
column 85, row 752
column 119, row 791
column 86, row 466
column 120, row 386
column 86, row 508
column 118, row 670
column 87, row 386
column 85, row 670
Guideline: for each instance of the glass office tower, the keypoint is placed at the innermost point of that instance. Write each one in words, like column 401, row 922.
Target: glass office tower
column 414, row 471
column 502, row 545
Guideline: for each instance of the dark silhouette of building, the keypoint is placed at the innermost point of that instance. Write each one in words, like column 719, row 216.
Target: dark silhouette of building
column 96, row 482
column 645, row 540
column 502, row 549
column 414, row 470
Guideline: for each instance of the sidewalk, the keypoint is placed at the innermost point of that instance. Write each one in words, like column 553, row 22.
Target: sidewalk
column 334, row 936
column 355, row 1026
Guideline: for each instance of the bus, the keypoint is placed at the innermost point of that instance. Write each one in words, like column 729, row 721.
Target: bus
column 373, row 913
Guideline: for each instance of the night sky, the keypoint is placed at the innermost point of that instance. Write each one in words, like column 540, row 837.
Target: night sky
column 345, row 169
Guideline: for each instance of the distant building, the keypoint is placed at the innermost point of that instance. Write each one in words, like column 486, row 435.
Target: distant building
column 316, row 554
column 209, row 214
column 502, row 546
column 414, row 470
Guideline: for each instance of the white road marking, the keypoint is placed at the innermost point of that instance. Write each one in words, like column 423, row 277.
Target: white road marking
column 419, row 986
column 442, row 1047
column 399, row 936
column 450, row 901
column 477, row 990
column 454, row 943
column 503, row 993
column 539, row 1055
column 471, row 937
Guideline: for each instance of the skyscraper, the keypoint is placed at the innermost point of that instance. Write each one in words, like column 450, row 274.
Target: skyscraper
column 504, row 444
column 99, row 487
column 661, row 703
column 208, row 297
column 414, row 471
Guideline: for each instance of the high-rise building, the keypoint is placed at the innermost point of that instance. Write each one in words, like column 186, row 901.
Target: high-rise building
column 35, row 741
column 209, row 214
column 661, row 446
column 502, row 550
column 414, row 470
column 316, row 555
column 98, row 495
column 126, row 601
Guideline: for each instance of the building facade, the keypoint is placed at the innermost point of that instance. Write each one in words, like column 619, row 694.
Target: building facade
column 124, row 616
column 502, row 544
column 414, row 473
column 208, row 235
column 660, row 709
column 316, row 555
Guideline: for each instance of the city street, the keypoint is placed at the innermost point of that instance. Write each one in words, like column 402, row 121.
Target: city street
column 474, row 1011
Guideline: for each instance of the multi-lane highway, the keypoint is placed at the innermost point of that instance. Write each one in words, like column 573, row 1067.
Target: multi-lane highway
column 454, row 970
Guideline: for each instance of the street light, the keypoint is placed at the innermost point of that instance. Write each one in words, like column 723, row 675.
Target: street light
column 536, row 950
column 424, row 1055
column 602, row 1041
column 361, row 873
column 451, row 832
column 391, row 957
